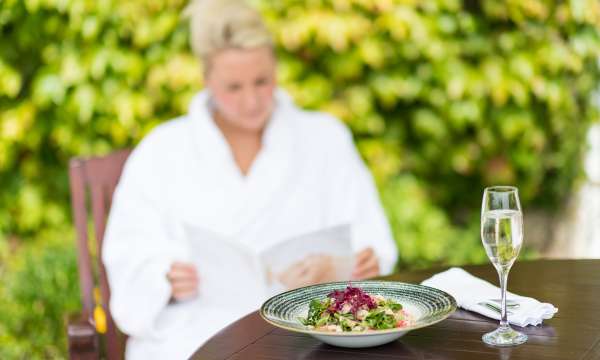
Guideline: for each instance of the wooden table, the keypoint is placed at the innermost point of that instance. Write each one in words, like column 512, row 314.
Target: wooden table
column 574, row 333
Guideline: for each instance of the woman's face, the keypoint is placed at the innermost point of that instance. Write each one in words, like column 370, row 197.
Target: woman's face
column 242, row 84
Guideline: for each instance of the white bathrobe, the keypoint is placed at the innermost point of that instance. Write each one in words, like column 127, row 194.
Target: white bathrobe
column 307, row 176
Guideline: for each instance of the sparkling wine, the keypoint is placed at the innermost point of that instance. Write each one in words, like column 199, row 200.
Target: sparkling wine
column 502, row 235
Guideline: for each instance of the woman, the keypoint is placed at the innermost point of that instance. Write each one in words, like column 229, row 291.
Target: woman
column 244, row 164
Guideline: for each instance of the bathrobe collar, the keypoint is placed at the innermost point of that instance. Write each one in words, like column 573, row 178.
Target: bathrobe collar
column 270, row 171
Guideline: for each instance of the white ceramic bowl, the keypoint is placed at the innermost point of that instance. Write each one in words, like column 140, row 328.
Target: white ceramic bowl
column 425, row 305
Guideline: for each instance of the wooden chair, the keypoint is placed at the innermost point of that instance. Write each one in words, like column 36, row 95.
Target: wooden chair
column 92, row 183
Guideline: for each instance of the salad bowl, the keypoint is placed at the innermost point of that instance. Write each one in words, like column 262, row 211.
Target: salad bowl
column 424, row 305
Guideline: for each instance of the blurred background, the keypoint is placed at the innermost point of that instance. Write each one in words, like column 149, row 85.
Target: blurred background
column 444, row 97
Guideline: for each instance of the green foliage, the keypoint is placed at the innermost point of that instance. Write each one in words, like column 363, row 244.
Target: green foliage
column 81, row 78
column 446, row 97
column 36, row 296
column 423, row 231
column 443, row 96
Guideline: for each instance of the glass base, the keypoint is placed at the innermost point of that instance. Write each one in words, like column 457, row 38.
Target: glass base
column 504, row 336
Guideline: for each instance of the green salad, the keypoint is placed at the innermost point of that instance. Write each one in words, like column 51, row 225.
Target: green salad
column 354, row 310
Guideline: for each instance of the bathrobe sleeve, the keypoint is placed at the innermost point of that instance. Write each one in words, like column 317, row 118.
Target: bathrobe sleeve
column 138, row 248
column 355, row 195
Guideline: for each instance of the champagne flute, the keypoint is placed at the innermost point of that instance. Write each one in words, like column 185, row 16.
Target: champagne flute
column 502, row 236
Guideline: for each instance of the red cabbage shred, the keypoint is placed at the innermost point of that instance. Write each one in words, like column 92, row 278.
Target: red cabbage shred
column 351, row 295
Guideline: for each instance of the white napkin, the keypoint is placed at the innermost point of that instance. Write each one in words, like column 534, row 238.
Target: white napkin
column 469, row 291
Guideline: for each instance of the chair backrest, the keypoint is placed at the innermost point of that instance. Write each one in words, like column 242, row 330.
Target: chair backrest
column 93, row 182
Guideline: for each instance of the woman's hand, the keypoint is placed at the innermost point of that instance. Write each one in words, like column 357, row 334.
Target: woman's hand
column 366, row 266
column 184, row 280
column 313, row 269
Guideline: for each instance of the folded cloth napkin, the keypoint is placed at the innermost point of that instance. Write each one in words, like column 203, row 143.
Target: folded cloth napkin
column 469, row 291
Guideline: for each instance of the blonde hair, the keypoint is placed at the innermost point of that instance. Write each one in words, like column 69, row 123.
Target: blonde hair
column 216, row 25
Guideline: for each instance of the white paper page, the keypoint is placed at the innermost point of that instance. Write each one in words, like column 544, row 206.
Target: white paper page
column 230, row 273
column 334, row 242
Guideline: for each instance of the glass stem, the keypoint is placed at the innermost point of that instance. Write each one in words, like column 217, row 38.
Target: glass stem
column 503, row 273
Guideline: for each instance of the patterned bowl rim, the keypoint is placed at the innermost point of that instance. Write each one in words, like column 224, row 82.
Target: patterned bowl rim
column 441, row 316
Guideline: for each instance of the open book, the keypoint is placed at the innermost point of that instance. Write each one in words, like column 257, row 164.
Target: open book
column 229, row 269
